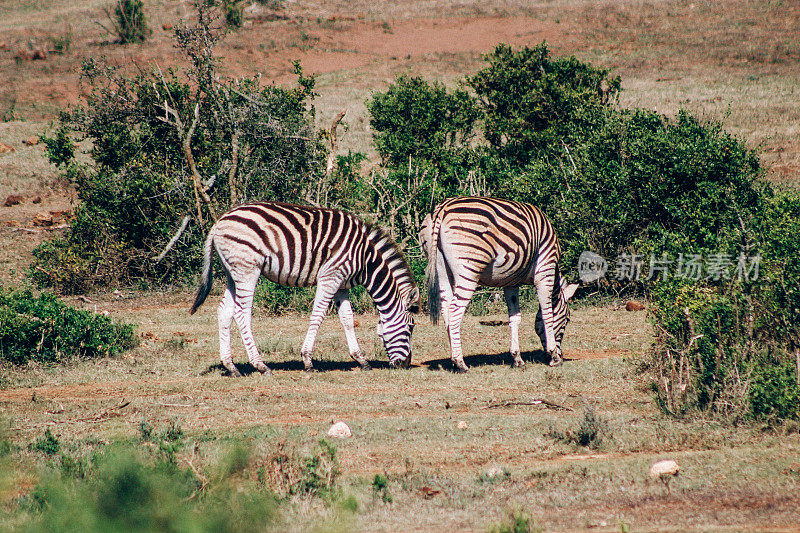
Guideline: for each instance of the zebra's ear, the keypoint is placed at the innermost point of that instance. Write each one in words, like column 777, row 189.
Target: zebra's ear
column 413, row 301
column 569, row 291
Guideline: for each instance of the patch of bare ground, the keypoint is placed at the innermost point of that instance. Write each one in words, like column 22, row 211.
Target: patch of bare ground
column 735, row 62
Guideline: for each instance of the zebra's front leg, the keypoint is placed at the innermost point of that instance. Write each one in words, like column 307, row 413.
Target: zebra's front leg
column 342, row 302
column 544, row 291
column 224, row 319
column 514, row 318
column 326, row 288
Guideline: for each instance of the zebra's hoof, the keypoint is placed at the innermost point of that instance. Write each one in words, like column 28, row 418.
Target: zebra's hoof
column 310, row 369
column 365, row 367
column 556, row 362
column 462, row 369
column 235, row 372
column 518, row 364
column 261, row 367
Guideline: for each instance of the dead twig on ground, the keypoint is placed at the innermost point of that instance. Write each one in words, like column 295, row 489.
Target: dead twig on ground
column 535, row 401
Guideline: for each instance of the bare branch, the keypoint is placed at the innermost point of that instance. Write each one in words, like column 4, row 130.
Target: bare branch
column 174, row 239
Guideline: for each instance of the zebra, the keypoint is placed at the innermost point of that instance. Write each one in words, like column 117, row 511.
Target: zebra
column 495, row 243
column 300, row 246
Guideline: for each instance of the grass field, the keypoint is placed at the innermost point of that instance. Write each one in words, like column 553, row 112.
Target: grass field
column 480, row 439
column 458, row 451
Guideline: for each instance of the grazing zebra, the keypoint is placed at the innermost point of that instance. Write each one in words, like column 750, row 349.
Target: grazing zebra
column 495, row 243
column 300, row 246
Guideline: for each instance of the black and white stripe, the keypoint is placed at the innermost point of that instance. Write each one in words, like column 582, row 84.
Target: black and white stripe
column 301, row 246
column 475, row 241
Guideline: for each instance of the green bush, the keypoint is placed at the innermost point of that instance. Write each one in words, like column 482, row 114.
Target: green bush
column 124, row 492
column 140, row 197
column 535, row 104
column 775, row 389
column 643, row 183
column 129, row 21
column 421, row 120
column 728, row 348
column 234, row 13
column 47, row 444
column 41, row 328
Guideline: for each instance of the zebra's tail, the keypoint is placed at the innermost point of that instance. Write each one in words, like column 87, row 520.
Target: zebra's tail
column 434, row 297
column 207, row 277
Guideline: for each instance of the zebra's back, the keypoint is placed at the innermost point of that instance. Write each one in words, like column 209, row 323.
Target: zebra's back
column 505, row 237
column 292, row 243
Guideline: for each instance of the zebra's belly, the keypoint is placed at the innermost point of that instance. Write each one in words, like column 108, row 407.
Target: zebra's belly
column 289, row 275
column 291, row 279
column 505, row 271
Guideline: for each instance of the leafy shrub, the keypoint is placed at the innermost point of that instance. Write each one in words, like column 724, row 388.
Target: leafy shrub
column 729, row 348
column 517, row 521
column 170, row 151
column 287, row 473
column 47, row 444
column 380, row 488
column 60, row 149
column 41, row 328
column 643, row 183
column 124, row 492
column 774, row 390
column 590, row 432
column 421, row 120
column 535, row 104
column 234, row 13
column 129, row 21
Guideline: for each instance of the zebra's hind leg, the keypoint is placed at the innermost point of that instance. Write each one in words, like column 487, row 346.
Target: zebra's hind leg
column 224, row 319
column 462, row 294
column 243, row 313
column 342, row 302
column 514, row 318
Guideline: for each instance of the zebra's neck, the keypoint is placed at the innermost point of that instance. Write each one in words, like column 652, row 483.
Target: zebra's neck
column 385, row 273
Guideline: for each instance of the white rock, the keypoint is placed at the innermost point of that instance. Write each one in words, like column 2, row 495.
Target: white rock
column 495, row 471
column 667, row 467
column 461, row 424
column 339, row 430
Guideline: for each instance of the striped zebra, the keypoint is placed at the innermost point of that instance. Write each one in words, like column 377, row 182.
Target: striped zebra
column 301, row 246
column 473, row 241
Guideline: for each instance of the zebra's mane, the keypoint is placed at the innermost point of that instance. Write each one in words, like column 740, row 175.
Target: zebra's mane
column 377, row 233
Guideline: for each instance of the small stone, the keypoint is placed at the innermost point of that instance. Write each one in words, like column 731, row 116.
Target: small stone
column 461, row 424
column 667, row 467
column 340, row 430
column 33, row 140
column 13, row 199
column 166, row 26
column 633, row 305
column 495, row 472
column 37, row 199
column 6, row 149
column 43, row 219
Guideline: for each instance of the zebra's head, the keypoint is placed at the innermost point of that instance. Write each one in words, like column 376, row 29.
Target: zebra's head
column 395, row 330
column 562, row 293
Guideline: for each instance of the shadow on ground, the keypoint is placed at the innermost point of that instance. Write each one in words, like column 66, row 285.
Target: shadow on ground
column 294, row 366
column 539, row 357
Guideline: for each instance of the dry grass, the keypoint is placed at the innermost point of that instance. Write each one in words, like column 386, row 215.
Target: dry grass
column 406, row 423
